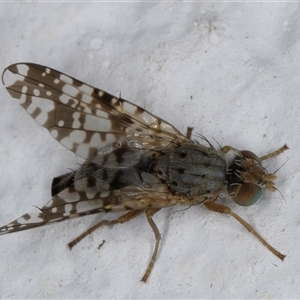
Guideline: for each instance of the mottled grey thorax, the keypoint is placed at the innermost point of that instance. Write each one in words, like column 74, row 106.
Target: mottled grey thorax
column 192, row 169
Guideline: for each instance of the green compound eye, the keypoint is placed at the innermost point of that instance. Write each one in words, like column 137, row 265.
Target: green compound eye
column 249, row 154
column 245, row 194
column 246, row 167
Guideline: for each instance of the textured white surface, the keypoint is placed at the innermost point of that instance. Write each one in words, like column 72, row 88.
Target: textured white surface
column 231, row 70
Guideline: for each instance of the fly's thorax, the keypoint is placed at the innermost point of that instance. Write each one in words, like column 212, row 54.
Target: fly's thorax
column 192, row 170
column 247, row 178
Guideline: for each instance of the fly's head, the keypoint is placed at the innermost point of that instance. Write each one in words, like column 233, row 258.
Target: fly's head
column 247, row 178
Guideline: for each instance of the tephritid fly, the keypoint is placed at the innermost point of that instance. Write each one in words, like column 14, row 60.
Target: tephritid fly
column 135, row 161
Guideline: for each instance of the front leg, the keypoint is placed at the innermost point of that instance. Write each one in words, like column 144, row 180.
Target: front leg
column 216, row 207
column 226, row 149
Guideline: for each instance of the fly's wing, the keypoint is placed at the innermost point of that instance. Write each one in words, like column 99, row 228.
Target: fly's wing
column 83, row 118
column 69, row 203
column 88, row 121
column 72, row 203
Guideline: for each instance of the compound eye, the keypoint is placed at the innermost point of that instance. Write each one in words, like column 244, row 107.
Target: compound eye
column 245, row 194
column 249, row 154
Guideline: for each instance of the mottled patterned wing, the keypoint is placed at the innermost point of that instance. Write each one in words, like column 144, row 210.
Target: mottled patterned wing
column 71, row 203
column 67, row 204
column 82, row 118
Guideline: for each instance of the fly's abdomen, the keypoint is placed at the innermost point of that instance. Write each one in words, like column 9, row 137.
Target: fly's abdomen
column 121, row 168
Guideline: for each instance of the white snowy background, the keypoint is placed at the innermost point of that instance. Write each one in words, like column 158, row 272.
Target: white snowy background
column 231, row 71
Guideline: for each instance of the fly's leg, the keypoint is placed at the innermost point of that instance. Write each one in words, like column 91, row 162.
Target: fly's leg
column 189, row 132
column 125, row 218
column 216, row 207
column 226, row 149
column 275, row 153
column 149, row 213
